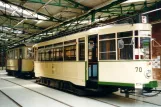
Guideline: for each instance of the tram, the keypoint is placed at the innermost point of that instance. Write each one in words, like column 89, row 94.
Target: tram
column 19, row 61
column 105, row 58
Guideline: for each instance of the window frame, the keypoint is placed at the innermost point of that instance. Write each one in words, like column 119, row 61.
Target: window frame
column 105, row 40
column 71, row 47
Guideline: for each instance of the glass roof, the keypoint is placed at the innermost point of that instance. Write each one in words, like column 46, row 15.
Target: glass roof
column 130, row 1
column 16, row 11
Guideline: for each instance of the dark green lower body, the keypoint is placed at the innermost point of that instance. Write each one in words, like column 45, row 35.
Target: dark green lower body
column 20, row 73
column 151, row 84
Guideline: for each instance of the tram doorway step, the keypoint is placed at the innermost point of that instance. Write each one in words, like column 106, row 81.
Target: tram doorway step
column 92, row 83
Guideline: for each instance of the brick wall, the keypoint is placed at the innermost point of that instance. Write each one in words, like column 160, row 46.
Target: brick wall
column 156, row 33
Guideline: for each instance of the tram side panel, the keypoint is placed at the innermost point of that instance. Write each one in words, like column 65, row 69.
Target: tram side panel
column 27, row 65
column 125, row 73
column 73, row 72
column 12, row 65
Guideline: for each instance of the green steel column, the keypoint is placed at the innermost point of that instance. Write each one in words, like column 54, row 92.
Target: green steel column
column 93, row 16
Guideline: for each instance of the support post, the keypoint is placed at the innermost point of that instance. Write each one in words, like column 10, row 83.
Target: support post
column 93, row 16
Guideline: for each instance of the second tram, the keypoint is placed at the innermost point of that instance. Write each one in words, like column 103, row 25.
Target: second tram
column 19, row 61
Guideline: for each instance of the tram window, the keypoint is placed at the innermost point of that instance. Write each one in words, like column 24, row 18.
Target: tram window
column 82, row 49
column 127, row 51
column 70, row 53
column 136, row 48
column 48, row 52
column 145, row 47
column 54, row 54
column 107, row 50
column 35, row 55
column 107, row 36
column 58, row 54
column 124, row 34
column 70, row 50
column 11, row 54
column 43, row 55
column 136, row 33
column 29, row 53
column 136, row 42
column 48, row 55
column 51, row 54
column 40, row 55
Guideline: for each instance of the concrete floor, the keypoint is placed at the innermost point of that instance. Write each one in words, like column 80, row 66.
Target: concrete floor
column 29, row 94
column 6, row 102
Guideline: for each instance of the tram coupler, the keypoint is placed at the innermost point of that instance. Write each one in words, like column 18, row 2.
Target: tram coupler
column 126, row 92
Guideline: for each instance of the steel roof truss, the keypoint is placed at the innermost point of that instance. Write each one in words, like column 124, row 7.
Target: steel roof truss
column 62, row 3
column 27, row 9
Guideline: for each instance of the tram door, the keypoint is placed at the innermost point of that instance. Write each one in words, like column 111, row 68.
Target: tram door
column 92, row 57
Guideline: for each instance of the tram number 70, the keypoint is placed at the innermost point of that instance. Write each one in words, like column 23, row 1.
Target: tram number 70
column 138, row 69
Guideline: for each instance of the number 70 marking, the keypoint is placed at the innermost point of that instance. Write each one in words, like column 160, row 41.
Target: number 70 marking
column 138, row 69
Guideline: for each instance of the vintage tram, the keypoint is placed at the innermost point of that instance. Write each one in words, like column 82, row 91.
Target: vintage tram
column 19, row 61
column 105, row 59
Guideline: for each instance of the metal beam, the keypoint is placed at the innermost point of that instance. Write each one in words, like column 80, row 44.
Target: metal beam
column 87, row 14
column 22, row 17
column 31, row 25
column 60, row 4
column 11, row 18
column 24, row 23
column 78, row 4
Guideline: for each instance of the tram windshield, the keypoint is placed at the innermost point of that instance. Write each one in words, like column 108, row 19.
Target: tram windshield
column 142, row 52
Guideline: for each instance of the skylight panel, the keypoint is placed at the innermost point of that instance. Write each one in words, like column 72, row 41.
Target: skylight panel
column 131, row 1
column 14, row 10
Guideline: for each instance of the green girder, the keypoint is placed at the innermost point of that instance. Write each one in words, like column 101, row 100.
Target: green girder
column 151, row 84
column 60, row 3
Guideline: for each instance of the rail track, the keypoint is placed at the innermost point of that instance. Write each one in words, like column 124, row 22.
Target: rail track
column 99, row 99
column 54, row 98
column 15, row 102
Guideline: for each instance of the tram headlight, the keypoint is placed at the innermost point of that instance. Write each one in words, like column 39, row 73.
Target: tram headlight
column 148, row 74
